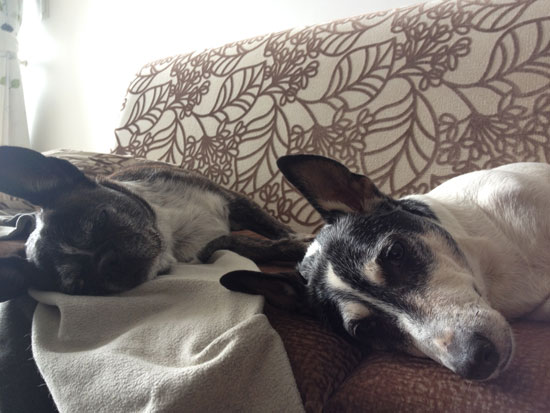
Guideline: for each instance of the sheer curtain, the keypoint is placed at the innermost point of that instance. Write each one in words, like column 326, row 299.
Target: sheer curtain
column 13, row 119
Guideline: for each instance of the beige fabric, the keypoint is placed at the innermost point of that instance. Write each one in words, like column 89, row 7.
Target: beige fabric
column 410, row 97
column 179, row 343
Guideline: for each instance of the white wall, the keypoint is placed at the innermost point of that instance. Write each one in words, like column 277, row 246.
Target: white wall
column 82, row 57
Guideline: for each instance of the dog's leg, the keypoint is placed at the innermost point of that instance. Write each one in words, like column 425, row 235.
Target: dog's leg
column 245, row 214
column 257, row 249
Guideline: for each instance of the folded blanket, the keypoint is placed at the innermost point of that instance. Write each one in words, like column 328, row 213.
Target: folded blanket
column 178, row 343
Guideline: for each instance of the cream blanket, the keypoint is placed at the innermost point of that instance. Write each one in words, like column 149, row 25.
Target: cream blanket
column 179, row 343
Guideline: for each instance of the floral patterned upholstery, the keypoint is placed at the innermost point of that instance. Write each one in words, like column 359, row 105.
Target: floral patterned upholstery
column 410, row 97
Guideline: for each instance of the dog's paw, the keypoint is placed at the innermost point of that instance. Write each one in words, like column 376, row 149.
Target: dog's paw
column 223, row 242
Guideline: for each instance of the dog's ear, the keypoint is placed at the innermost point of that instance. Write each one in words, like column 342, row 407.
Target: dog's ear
column 16, row 277
column 37, row 178
column 330, row 187
column 286, row 291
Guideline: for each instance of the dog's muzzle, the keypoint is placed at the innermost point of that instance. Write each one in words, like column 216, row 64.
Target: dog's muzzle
column 474, row 342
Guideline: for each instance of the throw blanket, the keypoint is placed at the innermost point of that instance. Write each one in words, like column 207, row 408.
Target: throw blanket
column 178, row 343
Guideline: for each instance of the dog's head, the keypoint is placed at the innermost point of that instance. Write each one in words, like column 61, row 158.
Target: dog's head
column 387, row 274
column 91, row 237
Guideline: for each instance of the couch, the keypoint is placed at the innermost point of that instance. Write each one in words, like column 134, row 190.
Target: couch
column 411, row 97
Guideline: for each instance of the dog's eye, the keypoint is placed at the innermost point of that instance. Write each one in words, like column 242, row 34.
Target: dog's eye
column 396, row 252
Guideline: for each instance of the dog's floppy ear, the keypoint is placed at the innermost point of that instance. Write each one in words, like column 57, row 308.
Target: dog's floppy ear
column 329, row 186
column 36, row 178
column 16, row 277
column 286, row 291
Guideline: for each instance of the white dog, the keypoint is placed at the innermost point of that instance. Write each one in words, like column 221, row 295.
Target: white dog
column 434, row 275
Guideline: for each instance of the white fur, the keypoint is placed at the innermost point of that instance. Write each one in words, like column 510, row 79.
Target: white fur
column 186, row 215
column 34, row 237
column 335, row 281
column 313, row 248
column 70, row 250
column 353, row 310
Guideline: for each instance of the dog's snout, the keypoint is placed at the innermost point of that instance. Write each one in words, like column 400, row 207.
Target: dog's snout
column 481, row 360
column 478, row 346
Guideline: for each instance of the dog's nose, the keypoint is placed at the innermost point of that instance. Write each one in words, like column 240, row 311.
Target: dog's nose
column 481, row 360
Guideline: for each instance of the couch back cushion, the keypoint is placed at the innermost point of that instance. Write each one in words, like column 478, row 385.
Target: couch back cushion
column 410, row 97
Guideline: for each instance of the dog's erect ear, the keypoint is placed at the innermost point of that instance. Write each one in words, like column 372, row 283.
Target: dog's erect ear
column 286, row 291
column 329, row 186
column 36, row 178
column 16, row 276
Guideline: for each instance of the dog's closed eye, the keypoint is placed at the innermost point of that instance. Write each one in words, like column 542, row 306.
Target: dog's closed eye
column 394, row 260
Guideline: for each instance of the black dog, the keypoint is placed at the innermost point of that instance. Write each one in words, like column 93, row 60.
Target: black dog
column 108, row 235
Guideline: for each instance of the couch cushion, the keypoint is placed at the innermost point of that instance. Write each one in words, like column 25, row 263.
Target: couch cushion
column 320, row 359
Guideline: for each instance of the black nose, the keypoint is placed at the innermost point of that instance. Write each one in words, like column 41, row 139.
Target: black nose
column 482, row 358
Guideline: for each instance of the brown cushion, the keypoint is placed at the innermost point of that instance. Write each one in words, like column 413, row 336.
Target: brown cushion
column 396, row 382
column 320, row 360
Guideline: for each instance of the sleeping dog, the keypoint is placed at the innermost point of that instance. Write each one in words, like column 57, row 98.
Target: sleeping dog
column 433, row 275
column 111, row 234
